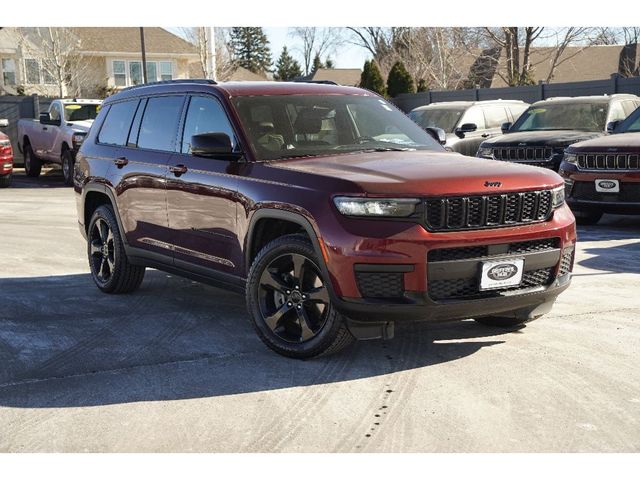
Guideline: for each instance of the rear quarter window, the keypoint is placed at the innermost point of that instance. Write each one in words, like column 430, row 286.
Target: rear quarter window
column 115, row 128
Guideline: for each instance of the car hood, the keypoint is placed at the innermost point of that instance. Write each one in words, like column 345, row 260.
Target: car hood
column 81, row 126
column 615, row 143
column 423, row 173
column 552, row 138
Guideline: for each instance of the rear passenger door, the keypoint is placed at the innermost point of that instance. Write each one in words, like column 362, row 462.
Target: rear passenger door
column 202, row 196
column 140, row 173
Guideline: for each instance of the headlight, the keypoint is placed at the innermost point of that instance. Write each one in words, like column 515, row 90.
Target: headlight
column 376, row 207
column 570, row 158
column 557, row 197
column 485, row 152
column 78, row 138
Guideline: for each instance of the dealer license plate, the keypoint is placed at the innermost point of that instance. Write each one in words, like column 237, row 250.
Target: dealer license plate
column 607, row 186
column 501, row 273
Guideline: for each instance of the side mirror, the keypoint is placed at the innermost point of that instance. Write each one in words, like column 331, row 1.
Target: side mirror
column 213, row 144
column 4, row 122
column 505, row 127
column 465, row 128
column 45, row 119
column 438, row 134
column 611, row 126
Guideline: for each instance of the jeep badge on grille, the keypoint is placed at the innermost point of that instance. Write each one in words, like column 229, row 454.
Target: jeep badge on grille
column 492, row 184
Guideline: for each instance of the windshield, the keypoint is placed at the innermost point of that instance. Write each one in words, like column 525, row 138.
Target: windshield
column 631, row 124
column 444, row 118
column 286, row 126
column 77, row 112
column 590, row 117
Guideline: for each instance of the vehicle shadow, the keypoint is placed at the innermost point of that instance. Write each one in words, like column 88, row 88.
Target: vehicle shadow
column 49, row 178
column 65, row 344
column 611, row 227
column 614, row 259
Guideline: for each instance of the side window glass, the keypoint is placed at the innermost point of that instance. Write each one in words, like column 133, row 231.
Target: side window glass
column 159, row 125
column 628, row 107
column 517, row 111
column 495, row 116
column 115, row 128
column 135, row 127
column 473, row 115
column 55, row 112
column 616, row 112
column 205, row 115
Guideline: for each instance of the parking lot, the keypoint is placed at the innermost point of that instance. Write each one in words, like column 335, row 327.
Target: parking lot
column 177, row 366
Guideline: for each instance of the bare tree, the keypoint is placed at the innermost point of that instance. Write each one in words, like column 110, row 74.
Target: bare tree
column 617, row 35
column 516, row 43
column 57, row 51
column 564, row 37
column 318, row 42
column 219, row 66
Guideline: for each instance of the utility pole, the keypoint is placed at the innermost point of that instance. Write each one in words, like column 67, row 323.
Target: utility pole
column 144, row 56
column 210, row 45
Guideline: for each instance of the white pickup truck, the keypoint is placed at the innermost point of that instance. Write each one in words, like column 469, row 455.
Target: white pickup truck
column 56, row 136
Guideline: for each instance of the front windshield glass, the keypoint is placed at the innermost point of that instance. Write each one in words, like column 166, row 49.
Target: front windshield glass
column 444, row 118
column 589, row 117
column 287, row 126
column 77, row 112
column 631, row 124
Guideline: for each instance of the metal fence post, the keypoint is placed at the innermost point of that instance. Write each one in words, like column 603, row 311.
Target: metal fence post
column 541, row 91
column 614, row 82
column 36, row 105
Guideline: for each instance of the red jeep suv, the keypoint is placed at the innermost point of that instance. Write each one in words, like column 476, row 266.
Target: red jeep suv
column 334, row 212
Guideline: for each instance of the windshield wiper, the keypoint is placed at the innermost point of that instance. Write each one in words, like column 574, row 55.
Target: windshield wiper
column 388, row 149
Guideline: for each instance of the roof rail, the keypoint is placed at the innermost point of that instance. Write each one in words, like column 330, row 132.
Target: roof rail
column 321, row 82
column 176, row 81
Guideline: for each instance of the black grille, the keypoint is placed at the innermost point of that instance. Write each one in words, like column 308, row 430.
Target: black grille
column 486, row 211
column 608, row 161
column 469, row 288
column 629, row 192
column 531, row 154
column 518, row 248
column 380, row 284
column 566, row 262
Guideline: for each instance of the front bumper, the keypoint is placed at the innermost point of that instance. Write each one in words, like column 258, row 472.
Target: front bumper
column 400, row 251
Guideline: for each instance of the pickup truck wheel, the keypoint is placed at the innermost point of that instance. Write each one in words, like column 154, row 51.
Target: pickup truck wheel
column 68, row 164
column 110, row 267
column 587, row 217
column 5, row 181
column 32, row 164
column 289, row 303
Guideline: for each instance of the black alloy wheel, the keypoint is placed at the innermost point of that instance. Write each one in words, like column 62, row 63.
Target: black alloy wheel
column 101, row 251
column 67, row 167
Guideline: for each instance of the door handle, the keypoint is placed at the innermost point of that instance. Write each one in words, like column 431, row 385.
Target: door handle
column 485, row 135
column 44, row 129
column 121, row 161
column 178, row 170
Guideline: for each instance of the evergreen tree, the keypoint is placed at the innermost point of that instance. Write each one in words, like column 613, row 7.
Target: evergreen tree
column 317, row 64
column 250, row 49
column 287, row 67
column 422, row 85
column 328, row 63
column 371, row 78
column 399, row 81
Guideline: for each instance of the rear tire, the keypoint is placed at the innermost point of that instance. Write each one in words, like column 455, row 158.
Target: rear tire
column 5, row 181
column 289, row 302
column 110, row 267
column 587, row 217
column 32, row 164
column 68, row 165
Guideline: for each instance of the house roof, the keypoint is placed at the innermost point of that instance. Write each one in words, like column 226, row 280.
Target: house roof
column 240, row 74
column 342, row 76
column 127, row 40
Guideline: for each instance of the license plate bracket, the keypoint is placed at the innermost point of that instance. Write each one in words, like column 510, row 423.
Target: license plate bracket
column 503, row 273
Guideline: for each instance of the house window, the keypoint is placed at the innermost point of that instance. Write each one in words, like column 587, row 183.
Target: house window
column 119, row 73
column 166, row 70
column 152, row 71
column 32, row 70
column 135, row 73
column 8, row 71
column 47, row 77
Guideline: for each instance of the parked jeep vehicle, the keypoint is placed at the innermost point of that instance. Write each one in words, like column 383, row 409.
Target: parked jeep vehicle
column 333, row 211
column 56, row 136
column 603, row 175
column 541, row 134
column 467, row 124
column 6, row 156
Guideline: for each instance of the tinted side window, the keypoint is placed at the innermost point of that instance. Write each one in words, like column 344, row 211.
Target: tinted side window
column 205, row 115
column 115, row 128
column 517, row 110
column 160, row 123
column 495, row 116
column 473, row 115
column 616, row 112
column 55, row 112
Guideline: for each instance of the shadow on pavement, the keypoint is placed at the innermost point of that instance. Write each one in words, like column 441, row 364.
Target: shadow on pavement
column 614, row 259
column 65, row 344
column 49, row 178
column 611, row 227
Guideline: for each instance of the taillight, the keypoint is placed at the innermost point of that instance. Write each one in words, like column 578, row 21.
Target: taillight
column 5, row 148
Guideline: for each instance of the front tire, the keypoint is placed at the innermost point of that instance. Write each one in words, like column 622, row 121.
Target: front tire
column 110, row 267
column 68, row 165
column 32, row 164
column 289, row 303
column 5, row 181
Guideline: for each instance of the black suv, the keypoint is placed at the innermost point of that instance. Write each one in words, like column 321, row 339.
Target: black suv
column 541, row 134
column 468, row 124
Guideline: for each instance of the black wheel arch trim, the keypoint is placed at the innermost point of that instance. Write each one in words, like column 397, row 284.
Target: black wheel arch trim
column 103, row 189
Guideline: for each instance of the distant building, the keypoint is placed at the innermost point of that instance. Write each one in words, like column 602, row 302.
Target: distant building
column 342, row 76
